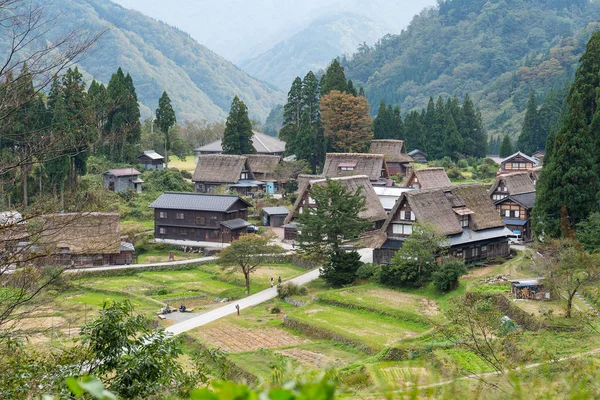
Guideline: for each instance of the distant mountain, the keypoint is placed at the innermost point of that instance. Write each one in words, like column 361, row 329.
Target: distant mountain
column 494, row 50
column 313, row 48
column 201, row 84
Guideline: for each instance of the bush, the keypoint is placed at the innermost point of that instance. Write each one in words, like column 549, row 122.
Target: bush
column 369, row 271
column 275, row 310
column 462, row 163
column 455, row 174
column 290, row 289
column 341, row 269
column 166, row 181
column 446, row 276
column 186, row 174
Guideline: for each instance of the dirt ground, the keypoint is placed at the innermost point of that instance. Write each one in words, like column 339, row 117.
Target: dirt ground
column 312, row 359
column 235, row 339
column 479, row 272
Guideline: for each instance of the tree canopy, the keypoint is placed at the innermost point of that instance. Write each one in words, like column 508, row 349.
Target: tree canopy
column 237, row 138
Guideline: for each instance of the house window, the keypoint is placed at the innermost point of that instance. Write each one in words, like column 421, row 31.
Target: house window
column 464, row 220
column 483, row 249
column 516, row 213
column 518, row 165
column 244, row 175
column 499, row 196
column 346, row 168
column 475, row 252
column 201, row 221
column 162, row 231
column 402, row 229
column 407, row 215
column 311, row 200
column 162, row 214
column 213, row 221
column 179, row 216
column 507, row 213
column 213, row 234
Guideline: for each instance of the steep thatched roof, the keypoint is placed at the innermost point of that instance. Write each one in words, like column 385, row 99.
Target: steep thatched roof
column 440, row 206
column 394, row 150
column 81, row 233
column 516, row 183
column 262, row 163
column 374, row 210
column 370, row 165
column 219, row 168
column 428, row 178
column 303, row 179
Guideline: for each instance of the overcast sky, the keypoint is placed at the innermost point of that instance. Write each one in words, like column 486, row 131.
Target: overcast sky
column 233, row 27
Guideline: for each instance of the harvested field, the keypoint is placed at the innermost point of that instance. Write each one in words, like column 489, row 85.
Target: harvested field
column 236, row 339
column 402, row 376
column 311, row 359
column 479, row 272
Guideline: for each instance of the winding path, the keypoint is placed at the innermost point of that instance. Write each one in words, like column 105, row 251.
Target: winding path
column 229, row 308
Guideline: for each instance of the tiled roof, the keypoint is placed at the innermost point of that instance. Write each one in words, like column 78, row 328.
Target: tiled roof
column 276, row 210
column 152, row 155
column 237, row 223
column 123, row 172
column 195, row 201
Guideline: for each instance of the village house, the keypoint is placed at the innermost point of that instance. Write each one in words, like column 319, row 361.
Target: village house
column 373, row 166
column 396, row 158
column 216, row 170
column 274, row 216
column 77, row 239
column 418, row 156
column 374, row 211
column 122, row 179
column 263, row 144
column 514, row 198
column 150, row 160
column 517, row 162
column 428, row 178
column 13, row 230
column 463, row 213
column 193, row 219
column 539, row 156
column 263, row 168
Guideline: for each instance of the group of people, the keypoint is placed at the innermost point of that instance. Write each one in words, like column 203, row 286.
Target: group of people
column 273, row 281
column 167, row 310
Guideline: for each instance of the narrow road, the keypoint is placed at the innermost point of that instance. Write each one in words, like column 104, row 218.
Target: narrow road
column 136, row 266
column 229, row 308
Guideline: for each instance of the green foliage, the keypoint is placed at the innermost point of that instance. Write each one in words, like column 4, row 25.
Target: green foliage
column 341, row 268
column 290, row 289
column 334, row 221
column 165, row 119
column 588, row 233
column 446, row 276
column 369, row 271
column 274, row 121
column 237, row 138
column 334, row 79
column 414, row 263
column 530, row 139
column 506, row 148
column 159, row 181
column 496, row 51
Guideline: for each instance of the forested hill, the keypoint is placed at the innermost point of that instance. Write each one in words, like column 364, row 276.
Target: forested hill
column 495, row 50
column 200, row 83
column 312, row 48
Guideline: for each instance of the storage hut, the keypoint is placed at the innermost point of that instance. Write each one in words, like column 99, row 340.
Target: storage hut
column 150, row 160
column 274, row 216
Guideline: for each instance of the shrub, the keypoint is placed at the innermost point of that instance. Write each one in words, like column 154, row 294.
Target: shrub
column 186, row 174
column 275, row 310
column 455, row 174
column 166, row 181
column 462, row 163
column 446, row 276
column 369, row 271
column 290, row 289
column 341, row 269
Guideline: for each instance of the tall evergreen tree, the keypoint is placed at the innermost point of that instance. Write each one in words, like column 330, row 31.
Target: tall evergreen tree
column 351, row 88
column 237, row 138
column 430, row 125
column 165, row 119
column 292, row 112
column 383, row 123
column 415, row 131
column 530, row 133
column 506, row 148
column 397, row 124
column 475, row 141
column 311, row 105
column 306, row 138
column 334, row 79
column 453, row 144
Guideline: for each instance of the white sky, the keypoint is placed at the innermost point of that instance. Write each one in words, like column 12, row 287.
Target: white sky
column 232, row 28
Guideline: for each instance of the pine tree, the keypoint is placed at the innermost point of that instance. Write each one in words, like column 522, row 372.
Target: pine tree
column 397, row 124
column 334, row 79
column 134, row 134
column 415, row 132
column 306, row 138
column 351, row 88
column 452, row 145
column 475, row 141
column 506, row 148
column 530, row 133
column 237, row 138
column 165, row 119
column 430, row 124
column 361, row 92
column 292, row 112
column 382, row 125
column 311, row 105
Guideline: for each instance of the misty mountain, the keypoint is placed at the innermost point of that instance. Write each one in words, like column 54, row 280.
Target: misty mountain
column 159, row 57
column 313, row 48
column 495, row 51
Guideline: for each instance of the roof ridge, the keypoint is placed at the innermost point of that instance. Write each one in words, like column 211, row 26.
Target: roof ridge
column 201, row 194
column 255, row 136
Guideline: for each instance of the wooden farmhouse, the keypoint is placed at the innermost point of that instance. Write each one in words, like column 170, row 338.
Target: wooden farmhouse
column 215, row 170
column 428, row 178
column 516, row 163
column 150, row 160
column 397, row 159
column 82, row 239
column 514, row 197
column 263, row 168
column 192, row 218
column 418, row 156
column 463, row 213
column 373, row 166
column 374, row 211
column 122, row 179
column 13, row 230
column 263, row 144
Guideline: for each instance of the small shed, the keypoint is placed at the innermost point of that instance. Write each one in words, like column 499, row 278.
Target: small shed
column 290, row 231
column 122, row 179
column 531, row 289
column 418, row 156
column 274, row 216
column 150, row 160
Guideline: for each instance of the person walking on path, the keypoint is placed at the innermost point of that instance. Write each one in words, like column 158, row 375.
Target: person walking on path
column 237, row 307
column 272, row 282
column 293, row 244
column 279, row 280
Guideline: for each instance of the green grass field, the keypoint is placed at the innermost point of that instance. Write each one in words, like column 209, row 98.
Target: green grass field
column 183, row 165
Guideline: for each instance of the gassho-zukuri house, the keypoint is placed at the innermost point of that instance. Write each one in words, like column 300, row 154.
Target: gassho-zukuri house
column 463, row 213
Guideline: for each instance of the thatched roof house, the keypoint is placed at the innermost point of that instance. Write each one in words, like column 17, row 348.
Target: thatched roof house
column 350, row 164
column 374, row 211
column 263, row 165
column 463, row 213
column 213, row 170
column 428, row 178
column 511, row 184
column 396, row 157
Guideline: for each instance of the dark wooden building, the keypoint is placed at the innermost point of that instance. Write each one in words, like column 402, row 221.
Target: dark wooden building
column 274, row 216
column 397, row 159
column 150, row 160
column 197, row 217
column 122, row 179
column 463, row 213
column 418, row 156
